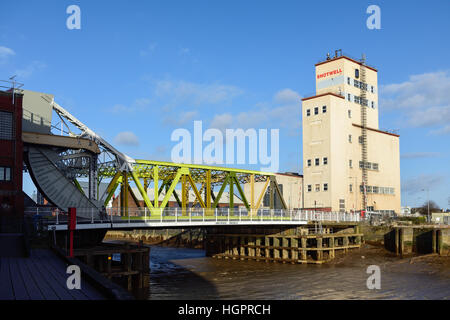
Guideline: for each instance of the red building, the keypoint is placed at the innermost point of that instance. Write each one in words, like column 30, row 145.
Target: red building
column 11, row 156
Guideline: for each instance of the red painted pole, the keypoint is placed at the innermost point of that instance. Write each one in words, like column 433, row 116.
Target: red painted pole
column 71, row 227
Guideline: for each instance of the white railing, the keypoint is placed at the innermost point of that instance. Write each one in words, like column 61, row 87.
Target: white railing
column 190, row 215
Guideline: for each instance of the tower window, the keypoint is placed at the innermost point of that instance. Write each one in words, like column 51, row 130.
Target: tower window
column 350, row 138
column 317, row 161
column 349, row 113
column 309, row 188
column 317, row 187
column 309, row 162
column 324, row 109
column 316, row 110
column 350, row 164
column 325, row 160
column 5, row 174
column 348, row 80
column 308, row 112
column 371, row 89
column 325, row 187
column 349, row 98
column 373, row 105
column 6, row 125
column 350, row 188
column 357, row 73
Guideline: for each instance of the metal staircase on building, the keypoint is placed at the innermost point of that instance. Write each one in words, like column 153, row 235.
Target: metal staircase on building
column 364, row 157
column 54, row 185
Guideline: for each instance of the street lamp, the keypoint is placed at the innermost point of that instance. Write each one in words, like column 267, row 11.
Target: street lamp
column 428, row 203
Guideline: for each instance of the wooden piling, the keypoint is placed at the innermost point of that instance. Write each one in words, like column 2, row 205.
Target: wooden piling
column 286, row 247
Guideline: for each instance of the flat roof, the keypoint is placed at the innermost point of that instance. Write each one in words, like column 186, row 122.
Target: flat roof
column 376, row 130
column 290, row 174
column 345, row 57
column 323, row 94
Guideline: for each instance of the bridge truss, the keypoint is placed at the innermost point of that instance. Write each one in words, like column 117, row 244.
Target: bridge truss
column 202, row 180
column 207, row 183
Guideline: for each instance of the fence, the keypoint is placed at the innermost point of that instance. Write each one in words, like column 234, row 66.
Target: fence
column 179, row 215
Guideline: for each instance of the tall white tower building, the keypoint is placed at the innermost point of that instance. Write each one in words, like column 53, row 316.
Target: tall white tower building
column 349, row 164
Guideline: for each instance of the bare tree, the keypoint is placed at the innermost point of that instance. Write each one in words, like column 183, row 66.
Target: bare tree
column 423, row 210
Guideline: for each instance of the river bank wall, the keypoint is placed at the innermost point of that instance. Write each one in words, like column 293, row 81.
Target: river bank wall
column 409, row 240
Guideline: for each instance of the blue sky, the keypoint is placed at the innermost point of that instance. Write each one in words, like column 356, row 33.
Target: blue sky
column 137, row 70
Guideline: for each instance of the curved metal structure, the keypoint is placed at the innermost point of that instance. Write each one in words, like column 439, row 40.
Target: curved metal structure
column 53, row 184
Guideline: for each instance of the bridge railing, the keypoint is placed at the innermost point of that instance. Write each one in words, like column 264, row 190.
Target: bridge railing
column 189, row 215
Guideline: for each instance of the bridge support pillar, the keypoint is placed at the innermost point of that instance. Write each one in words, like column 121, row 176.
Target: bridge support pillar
column 304, row 255
column 258, row 248
column 93, row 178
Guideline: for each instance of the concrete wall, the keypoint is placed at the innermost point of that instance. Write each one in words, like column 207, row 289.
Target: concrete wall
column 417, row 240
column 37, row 112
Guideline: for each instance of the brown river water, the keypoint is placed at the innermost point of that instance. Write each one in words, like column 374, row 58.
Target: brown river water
column 180, row 273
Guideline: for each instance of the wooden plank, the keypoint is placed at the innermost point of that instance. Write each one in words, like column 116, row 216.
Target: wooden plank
column 20, row 293
column 45, row 289
column 57, row 269
column 54, row 283
column 6, row 289
column 30, row 285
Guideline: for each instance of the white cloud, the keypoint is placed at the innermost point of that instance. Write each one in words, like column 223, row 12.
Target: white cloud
column 181, row 118
column 283, row 112
column 287, row 96
column 416, row 155
column 148, row 50
column 222, row 121
column 441, row 131
column 183, row 92
column 420, row 183
column 127, row 138
column 142, row 102
column 185, row 51
column 5, row 53
column 29, row 70
column 424, row 100
column 138, row 105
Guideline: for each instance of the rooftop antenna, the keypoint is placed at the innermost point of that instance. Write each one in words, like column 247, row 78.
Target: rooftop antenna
column 328, row 56
column 13, row 81
column 336, row 53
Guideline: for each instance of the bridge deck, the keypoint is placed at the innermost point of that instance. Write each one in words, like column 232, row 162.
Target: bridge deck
column 42, row 276
column 173, row 224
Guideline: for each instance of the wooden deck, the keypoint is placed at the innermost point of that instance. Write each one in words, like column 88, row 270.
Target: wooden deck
column 42, row 276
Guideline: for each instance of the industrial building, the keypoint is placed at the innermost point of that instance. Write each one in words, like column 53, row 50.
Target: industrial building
column 349, row 164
